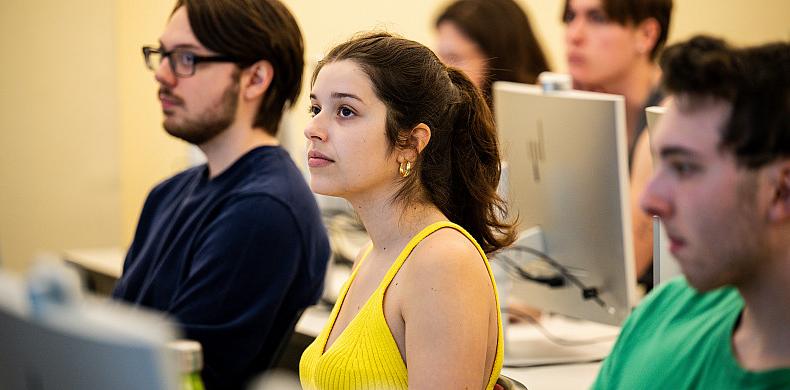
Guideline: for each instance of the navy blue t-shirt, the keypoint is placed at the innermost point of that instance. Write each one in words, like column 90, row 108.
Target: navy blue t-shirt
column 234, row 259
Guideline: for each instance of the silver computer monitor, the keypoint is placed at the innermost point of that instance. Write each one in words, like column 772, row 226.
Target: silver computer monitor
column 665, row 266
column 653, row 114
column 86, row 345
column 567, row 181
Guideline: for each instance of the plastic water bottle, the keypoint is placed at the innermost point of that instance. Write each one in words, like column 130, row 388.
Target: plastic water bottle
column 189, row 355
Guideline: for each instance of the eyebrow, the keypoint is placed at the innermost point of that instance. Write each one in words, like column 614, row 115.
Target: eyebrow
column 181, row 46
column 341, row 95
column 673, row 151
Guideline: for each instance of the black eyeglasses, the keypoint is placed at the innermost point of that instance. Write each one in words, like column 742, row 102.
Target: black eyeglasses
column 182, row 61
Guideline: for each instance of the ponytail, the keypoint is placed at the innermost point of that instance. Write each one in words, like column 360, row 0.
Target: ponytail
column 475, row 168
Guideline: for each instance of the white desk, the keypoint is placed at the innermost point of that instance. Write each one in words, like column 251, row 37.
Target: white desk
column 100, row 267
column 573, row 377
column 104, row 261
column 312, row 321
column 526, row 345
column 525, row 337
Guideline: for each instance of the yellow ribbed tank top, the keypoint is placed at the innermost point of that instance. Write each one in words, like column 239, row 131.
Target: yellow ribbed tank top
column 365, row 355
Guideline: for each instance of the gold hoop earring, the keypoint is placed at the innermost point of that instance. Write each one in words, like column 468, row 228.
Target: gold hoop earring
column 405, row 171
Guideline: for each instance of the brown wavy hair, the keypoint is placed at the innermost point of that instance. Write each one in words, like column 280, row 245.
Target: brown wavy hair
column 458, row 171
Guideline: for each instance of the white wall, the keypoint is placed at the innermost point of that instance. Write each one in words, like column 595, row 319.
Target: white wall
column 740, row 22
column 58, row 127
column 80, row 136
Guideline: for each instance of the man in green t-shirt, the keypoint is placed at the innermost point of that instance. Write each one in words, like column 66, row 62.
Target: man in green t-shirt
column 722, row 189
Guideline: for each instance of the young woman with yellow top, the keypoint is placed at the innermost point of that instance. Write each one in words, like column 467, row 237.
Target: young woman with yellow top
column 411, row 145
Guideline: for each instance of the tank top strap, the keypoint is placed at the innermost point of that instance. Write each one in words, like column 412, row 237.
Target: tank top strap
column 425, row 232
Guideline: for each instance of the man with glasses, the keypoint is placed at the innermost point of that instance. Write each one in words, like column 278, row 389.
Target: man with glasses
column 722, row 189
column 234, row 249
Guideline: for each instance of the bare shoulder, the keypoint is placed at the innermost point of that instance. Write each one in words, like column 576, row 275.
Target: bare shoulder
column 449, row 313
column 446, row 260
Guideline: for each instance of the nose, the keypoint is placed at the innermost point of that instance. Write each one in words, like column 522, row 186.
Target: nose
column 656, row 199
column 574, row 31
column 315, row 130
column 164, row 74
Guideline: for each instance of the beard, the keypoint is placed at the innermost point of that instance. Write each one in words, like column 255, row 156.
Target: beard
column 211, row 122
column 736, row 245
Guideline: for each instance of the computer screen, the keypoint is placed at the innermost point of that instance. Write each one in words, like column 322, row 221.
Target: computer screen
column 665, row 266
column 566, row 174
column 88, row 344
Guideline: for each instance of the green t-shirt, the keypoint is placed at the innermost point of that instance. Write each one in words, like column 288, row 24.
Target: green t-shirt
column 678, row 338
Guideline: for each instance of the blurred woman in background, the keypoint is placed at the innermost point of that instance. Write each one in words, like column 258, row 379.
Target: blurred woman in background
column 489, row 40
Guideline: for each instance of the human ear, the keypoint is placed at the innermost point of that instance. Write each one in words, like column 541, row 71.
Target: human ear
column 258, row 78
column 416, row 141
column 647, row 33
column 779, row 209
column 420, row 136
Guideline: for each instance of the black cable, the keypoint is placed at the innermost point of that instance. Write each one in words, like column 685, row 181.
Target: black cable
column 516, row 275
column 588, row 293
column 552, row 281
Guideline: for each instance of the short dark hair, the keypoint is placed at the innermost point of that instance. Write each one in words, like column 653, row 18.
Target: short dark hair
column 755, row 81
column 458, row 171
column 254, row 30
column 625, row 12
column 502, row 30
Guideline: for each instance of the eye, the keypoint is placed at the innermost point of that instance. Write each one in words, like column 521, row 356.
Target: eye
column 599, row 17
column 185, row 57
column 683, row 168
column 568, row 16
column 345, row 112
column 313, row 110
